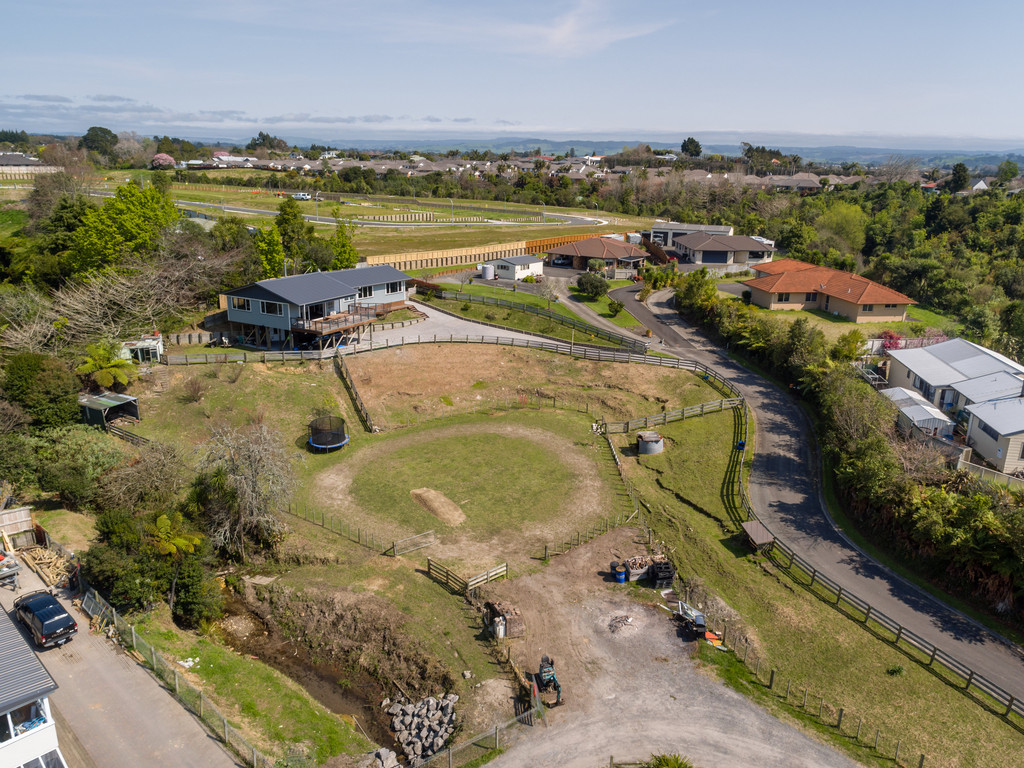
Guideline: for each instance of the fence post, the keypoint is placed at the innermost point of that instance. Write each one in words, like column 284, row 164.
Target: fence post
column 771, row 680
column 152, row 656
column 225, row 721
column 970, row 679
column 495, row 737
column 876, row 740
column 133, row 638
column 1009, row 707
column 839, row 723
column 201, row 705
column 175, row 682
column 897, row 758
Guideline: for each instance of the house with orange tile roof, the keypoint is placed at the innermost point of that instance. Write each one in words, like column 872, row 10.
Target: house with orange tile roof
column 792, row 284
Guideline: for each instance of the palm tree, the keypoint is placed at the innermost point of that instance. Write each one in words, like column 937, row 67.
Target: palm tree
column 105, row 367
column 172, row 538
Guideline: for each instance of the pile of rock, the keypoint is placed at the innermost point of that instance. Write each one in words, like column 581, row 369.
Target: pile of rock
column 423, row 729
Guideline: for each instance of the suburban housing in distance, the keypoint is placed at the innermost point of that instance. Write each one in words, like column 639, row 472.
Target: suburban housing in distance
column 316, row 308
column 792, row 284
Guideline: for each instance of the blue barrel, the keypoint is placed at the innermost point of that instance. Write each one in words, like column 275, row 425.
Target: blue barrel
column 620, row 575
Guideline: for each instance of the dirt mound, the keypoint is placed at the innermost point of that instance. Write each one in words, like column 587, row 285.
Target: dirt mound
column 439, row 505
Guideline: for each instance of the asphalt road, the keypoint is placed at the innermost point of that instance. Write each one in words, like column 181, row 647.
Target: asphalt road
column 785, row 490
column 110, row 712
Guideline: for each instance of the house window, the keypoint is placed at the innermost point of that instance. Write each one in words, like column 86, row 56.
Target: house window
column 394, row 287
column 812, row 296
column 22, row 720
column 271, row 308
column 783, row 298
column 366, row 292
column 890, row 306
column 987, row 430
column 867, row 308
column 1022, row 451
column 237, row 302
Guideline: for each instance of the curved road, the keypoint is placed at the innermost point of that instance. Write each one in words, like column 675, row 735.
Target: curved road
column 784, row 490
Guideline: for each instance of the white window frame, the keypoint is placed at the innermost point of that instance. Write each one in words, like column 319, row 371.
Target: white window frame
column 265, row 304
column 395, row 287
column 241, row 303
column 365, row 292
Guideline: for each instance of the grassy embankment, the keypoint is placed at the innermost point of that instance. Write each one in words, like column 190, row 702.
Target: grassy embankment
column 812, row 646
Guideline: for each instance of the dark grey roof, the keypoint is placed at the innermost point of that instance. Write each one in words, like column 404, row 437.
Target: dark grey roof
column 17, row 158
column 315, row 287
column 22, row 676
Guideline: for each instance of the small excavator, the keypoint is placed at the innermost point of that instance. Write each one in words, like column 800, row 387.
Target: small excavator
column 547, row 680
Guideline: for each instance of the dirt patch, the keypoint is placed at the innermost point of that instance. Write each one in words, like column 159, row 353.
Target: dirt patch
column 439, row 505
column 413, row 383
column 631, row 688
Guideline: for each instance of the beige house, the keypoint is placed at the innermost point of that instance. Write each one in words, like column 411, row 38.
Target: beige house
column 943, row 372
column 791, row 284
column 995, row 432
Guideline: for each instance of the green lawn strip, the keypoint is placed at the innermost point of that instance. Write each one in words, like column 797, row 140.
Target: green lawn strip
column 518, row 320
column 600, row 305
column 483, row 759
column 811, row 644
column 269, row 708
column 731, row 670
column 520, row 297
column 447, row 626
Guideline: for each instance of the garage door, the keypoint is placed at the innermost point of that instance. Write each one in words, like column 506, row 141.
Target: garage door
column 715, row 257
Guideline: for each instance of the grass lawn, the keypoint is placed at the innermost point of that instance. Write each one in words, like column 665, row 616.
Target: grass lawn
column 600, row 305
column 808, row 643
column 834, row 326
column 463, row 467
column 269, row 709
column 518, row 320
column 520, row 297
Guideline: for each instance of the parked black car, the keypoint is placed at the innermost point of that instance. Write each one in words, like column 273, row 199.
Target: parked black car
column 49, row 623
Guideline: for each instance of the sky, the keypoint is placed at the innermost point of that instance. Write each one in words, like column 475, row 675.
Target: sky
column 913, row 73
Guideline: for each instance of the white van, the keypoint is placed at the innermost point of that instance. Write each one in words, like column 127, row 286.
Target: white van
column 302, row 196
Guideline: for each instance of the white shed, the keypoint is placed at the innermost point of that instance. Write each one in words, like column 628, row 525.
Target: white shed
column 918, row 412
column 517, row 267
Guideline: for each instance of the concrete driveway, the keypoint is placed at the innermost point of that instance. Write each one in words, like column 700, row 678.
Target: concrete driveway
column 785, row 490
column 110, row 712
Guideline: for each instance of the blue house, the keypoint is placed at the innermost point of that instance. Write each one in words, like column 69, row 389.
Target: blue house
column 316, row 309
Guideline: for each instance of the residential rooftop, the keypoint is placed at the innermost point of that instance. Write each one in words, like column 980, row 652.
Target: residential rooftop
column 792, row 276
column 954, row 361
column 23, row 678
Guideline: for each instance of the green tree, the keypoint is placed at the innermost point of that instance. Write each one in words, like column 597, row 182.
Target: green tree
column 341, row 243
column 269, row 252
column 1007, row 171
column 615, row 307
column 171, row 537
column 294, row 230
column 592, row 285
column 100, row 140
column 161, row 181
column 691, row 147
column 128, row 224
column 104, row 366
column 960, row 179
column 44, row 387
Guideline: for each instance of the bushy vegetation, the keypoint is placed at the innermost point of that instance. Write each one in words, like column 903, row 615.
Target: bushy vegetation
column 966, row 535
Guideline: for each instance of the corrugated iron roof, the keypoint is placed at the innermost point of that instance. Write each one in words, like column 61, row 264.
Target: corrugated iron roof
column 953, row 361
column 317, row 287
column 104, row 400
column 1004, row 416
column 992, row 387
column 23, row 678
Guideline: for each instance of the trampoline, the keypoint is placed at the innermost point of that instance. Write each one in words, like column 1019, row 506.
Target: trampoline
column 327, row 433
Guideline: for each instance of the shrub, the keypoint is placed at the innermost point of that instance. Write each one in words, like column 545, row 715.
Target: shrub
column 466, row 307
column 235, row 372
column 747, row 296
column 192, row 390
column 529, row 279
column 44, row 387
column 895, row 670
column 592, row 285
column 490, row 316
column 614, row 307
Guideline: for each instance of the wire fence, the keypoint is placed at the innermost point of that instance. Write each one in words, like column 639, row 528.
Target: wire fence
column 192, row 698
column 592, row 330
column 666, row 417
column 355, row 534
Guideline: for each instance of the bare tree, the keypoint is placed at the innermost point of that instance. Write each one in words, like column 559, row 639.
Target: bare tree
column 897, row 168
column 155, row 475
column 12, row 418
column 241, row 500
column 112, row 304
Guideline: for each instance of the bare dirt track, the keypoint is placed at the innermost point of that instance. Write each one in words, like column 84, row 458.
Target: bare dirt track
column 636, row 691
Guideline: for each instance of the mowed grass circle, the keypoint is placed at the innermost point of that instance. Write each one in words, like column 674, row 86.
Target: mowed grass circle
column 502, row 483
